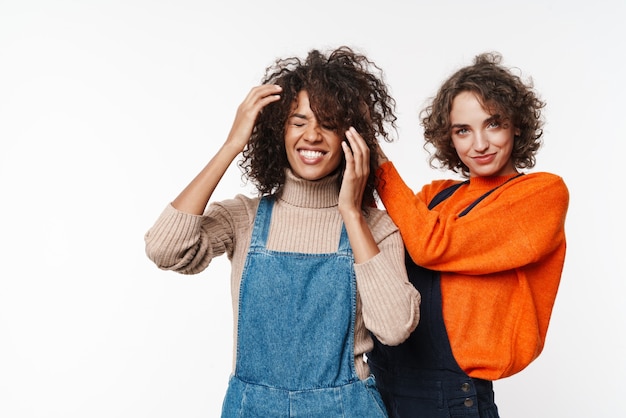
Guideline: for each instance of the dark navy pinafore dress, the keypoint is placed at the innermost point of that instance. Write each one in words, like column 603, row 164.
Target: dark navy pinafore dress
column 420, row 378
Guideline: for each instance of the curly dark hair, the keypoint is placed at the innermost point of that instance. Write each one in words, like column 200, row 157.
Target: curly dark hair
column 502, row 92
column 345, row 89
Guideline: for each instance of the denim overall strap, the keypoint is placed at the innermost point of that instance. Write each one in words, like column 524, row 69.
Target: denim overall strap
column 295, row 340
column 261, row 227
column 421, row 377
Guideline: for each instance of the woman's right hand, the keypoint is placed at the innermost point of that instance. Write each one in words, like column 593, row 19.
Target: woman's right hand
column 194, row 198
column 247, row 112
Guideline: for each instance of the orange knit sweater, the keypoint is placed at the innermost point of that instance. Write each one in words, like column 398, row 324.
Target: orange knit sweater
column 500, row 264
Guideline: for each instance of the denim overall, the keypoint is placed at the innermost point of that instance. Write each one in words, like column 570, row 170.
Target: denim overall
column 295, row 351
column 420, row 378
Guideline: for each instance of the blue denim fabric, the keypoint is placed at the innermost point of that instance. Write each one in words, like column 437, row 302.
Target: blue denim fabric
column 359, row 399
column 295, row 351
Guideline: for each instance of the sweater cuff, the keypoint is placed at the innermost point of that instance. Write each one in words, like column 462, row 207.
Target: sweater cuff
column 389, row 177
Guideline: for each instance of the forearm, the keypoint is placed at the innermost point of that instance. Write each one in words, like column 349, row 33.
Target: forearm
column 194, row 198
column 362, row 241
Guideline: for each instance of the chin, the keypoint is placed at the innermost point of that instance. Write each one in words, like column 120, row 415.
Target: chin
column 307, row 175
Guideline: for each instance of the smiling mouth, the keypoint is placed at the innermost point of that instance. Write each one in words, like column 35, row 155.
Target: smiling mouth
column 484, row 158
column 310, row 154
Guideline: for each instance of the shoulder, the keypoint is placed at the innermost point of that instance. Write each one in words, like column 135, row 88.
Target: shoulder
column 541, row 192
column 242, row 201
column 241, row 208
column 545, row 177
column 542, row 182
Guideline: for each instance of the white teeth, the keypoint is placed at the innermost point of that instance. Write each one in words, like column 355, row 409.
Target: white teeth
column 311, row 154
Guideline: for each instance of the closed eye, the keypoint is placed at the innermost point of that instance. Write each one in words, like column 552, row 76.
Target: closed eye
column 298, row 120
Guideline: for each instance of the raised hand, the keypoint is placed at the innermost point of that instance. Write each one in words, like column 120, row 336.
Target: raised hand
column 247, row 112
column 356, row 173
column 194, row 198
column 355, row 176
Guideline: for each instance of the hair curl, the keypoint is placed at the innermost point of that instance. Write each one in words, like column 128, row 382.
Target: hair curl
column 500, row 91
column 345, row 89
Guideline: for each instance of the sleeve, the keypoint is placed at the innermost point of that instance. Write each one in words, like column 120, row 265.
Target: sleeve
column 187, row 243
column 519, row 224
column 390, row 303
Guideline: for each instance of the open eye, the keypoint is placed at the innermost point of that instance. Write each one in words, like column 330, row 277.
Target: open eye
column 460, row 131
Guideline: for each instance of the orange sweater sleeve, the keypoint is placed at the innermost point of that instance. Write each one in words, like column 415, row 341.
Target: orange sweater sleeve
column 515, row 226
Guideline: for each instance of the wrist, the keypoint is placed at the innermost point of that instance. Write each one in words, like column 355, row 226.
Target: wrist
column 351, row 214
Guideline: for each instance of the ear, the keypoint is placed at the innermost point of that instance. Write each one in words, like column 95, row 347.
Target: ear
column 518, row 131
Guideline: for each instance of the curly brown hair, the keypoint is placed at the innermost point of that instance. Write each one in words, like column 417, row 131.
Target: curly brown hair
column 345, row 89
column 501, row 92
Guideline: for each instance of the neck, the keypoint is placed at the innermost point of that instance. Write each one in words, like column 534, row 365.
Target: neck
column 323, row 193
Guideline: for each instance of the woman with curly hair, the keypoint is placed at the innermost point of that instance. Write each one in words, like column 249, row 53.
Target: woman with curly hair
column 486, row 254
column 316, row 268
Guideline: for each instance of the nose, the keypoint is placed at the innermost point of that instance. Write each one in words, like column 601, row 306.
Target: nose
column 481, row 142
column 312, row 132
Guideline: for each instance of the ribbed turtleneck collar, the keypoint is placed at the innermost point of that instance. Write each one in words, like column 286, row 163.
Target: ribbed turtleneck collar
column 318, row 194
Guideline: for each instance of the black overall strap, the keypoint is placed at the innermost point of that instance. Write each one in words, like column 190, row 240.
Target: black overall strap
column 448, row 191
column 445, row 193
column 477, row 201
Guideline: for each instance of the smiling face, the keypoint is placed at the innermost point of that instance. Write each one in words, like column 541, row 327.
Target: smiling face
column 313, row 151
column 483, row 141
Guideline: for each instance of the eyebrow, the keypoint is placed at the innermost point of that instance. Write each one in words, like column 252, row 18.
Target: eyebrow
column 490, row 119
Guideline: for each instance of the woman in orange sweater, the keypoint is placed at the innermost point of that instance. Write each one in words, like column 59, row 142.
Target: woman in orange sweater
column 486, row 254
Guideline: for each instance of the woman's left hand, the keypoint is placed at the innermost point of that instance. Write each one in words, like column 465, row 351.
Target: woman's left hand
column 356, row 173
column 355, row 177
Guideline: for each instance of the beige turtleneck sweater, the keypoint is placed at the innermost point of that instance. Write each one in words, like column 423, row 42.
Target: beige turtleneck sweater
column 305, row 219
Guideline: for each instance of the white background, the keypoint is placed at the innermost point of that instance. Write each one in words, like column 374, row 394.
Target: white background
column 109, row 108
